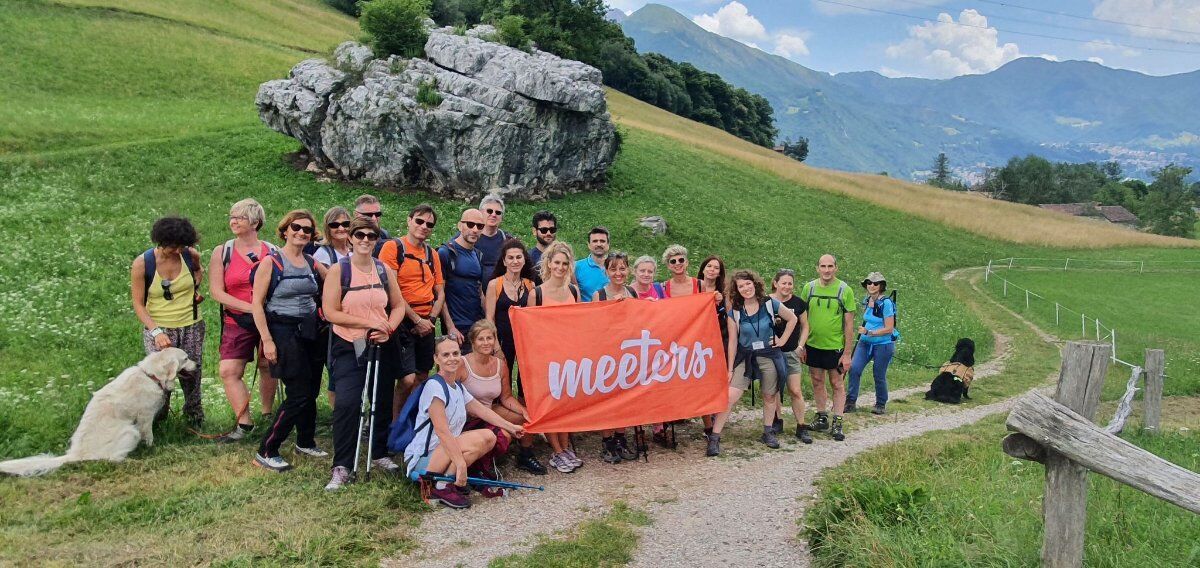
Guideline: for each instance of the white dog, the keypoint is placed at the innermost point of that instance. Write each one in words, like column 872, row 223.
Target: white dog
column 117, row 418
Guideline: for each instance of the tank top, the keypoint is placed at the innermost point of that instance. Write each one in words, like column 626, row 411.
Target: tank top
column 370, row 303
column 486, row 390
column 176, row 312
column 655, row 292
column 548, row 301
column 238, row 282
column 667, row 287
column 758, row 326
column 503, row 303
column 296, row 293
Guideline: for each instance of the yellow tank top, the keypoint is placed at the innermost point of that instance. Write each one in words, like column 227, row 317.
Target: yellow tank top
column 178, row 311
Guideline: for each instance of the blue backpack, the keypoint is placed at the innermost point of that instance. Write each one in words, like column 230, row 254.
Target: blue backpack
column 405, row 428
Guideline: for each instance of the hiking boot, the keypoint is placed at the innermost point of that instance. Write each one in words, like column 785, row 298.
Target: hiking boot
column 611, row 453
column 448, row 495
column 821, row 424
column 573, row 459
column 777, row 425
column 769, row 438
column 386, row 465
column 802, row 434
column 660, row 438
column 714, row 446
column 488, row 491
column 238, row 434
column 528, row 462
column 836, row 429
column 878, row 410
column 340, row 477
column 627, row 454
column 276, row 464
column 850, row 407
column 313, row 452
column 560, row 462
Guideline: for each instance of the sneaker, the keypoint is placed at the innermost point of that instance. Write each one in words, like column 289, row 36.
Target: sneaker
column 340, row 477
column 769, row 438
column 236, row 435
column 802, row 434
column 611, row 453
column 627, row 454
column 313, row 452
column 530, row 463
column 448, row 496
column 560, row 462
column 573, row 459
column 387, row 465
column 836, row 429
column 488, row 491
column 714, row 446
column 878, row 411
column 777, row 425
column 821, row 424
column 276, row 463
column 850, row 407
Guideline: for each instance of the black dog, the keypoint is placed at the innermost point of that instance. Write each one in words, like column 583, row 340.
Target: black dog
column 954, row 378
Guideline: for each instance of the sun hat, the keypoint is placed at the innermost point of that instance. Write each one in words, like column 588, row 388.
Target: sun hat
column 873, row 277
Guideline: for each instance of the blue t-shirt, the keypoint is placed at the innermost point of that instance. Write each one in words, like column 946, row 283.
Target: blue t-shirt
column 872, row 322
column 489, row 251
column 464, row 285
column 591, row 277
column 757, row 327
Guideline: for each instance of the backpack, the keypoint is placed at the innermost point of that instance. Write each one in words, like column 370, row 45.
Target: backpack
column 768, row 304
column 452, row 258
column 812, row 293
column 526, row 286
column 227, row 253
column 346, row 275
column 277, row 274
column 602, row 295
column 537, row 294
column 188, row 262
column 402, row 253
column 405, row 427
column 878, row 312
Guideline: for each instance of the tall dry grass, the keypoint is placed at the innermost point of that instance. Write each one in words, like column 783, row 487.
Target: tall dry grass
column 992, row 218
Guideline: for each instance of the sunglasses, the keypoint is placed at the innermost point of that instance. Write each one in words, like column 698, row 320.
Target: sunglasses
column 422, row 222
column 787, row 272
column 342, row 224
column 375, row 214
column 547, row 230
column 301, row 228
column 873, row 283
column 166, row 286
column 472, row 224
column 677, row 261
column 491, row 211
column 363, row 235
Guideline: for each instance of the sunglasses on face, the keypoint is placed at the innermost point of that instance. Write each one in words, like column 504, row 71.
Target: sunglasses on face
column 375, row 214
column 363, row 235
column 472, row 224
column 491, row 211
column 677, row 261
column 547, row 230
column 166, row 286
column 301, row 228
column 342, row 224
column 422, row 222
column 870, row 283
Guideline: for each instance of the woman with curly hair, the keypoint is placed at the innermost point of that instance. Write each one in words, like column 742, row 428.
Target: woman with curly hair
column 164, row 285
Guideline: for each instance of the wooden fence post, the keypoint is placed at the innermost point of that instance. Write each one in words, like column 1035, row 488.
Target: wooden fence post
column 1155, row 361
column 1064, row 506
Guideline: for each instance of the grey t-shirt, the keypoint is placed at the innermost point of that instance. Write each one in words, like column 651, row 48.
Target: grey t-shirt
column 296, row 294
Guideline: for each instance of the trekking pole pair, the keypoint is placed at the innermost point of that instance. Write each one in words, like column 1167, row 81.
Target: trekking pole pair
column 366, row 413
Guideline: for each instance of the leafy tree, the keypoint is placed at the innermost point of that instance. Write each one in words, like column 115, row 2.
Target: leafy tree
column 1167, row 208
column 396, row 27
column 1112, row 170
column 511, row 30
column 797, row 150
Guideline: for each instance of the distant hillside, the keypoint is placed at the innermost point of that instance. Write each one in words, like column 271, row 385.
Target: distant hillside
column 867, row 122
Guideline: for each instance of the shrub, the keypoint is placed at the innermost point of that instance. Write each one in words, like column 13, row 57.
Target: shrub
column 427, row 94
column 348, row 7
column 396, row 27
column 511, row 32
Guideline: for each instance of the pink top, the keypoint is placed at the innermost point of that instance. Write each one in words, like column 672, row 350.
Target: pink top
column 237, row 276
column 651, row 293
column 370, row 302
column 486, row 390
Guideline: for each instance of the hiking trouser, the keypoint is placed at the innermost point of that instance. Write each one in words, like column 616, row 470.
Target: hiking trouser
column 350, row 374
column 301, row 381
column 881, row 354
column 191, row 340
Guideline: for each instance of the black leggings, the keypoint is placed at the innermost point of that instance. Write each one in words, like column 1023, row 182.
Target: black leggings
column 349, row 378
column 300, row 385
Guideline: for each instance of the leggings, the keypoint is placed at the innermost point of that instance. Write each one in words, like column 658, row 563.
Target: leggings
column 881, row 354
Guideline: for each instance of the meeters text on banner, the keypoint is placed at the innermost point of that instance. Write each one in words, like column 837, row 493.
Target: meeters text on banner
column 601, row 365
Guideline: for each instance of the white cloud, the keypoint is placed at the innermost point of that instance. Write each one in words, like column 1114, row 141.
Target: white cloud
column 1168, row 14
column 1049, row 57
column 895, row 5
column 790, row 46
column 733, row 21
column 945, row 49
column 1096, row 60
column 1107, row 46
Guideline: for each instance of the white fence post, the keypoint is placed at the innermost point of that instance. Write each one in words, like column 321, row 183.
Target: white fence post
column 1027, row 300
column 1056, row 320
column 1142, row 268
column 1067, row 264
column 1006, row 288
column 1112, row 334
column 987, row 271
column 1097, row 329
column 1082, row 325
column 1010, row 261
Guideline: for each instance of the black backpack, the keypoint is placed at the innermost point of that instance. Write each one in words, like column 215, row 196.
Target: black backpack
column 188, row 262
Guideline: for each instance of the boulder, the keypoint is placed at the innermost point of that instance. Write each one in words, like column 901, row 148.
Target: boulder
column 472, row 117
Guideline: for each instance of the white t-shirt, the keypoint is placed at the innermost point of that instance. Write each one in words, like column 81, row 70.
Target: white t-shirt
column 456, row 413
column 322, row 256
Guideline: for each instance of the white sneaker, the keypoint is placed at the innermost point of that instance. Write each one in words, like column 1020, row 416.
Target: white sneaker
column 276, row 463
column 560, row 462
column 312, row 452
column 574, row 459
column 341, row 476
column 387, row 465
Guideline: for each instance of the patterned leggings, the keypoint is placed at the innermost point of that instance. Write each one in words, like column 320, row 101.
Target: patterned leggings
column 191, row 340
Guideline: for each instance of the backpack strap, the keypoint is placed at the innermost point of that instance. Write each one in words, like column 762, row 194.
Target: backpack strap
column 841, row 290
column 347, row 273
column 812, row 291
column 192, row 268
column 631, row 292
column 227, row 254
column 601, row 295
column 151, row 265
column 537, row 296
column 574, row 291
column 429, row 421
column 658, row 290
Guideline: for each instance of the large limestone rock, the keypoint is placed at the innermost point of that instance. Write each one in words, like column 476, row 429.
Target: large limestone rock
column 529, row 125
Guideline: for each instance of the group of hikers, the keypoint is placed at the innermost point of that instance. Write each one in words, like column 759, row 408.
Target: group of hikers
column 344, row 296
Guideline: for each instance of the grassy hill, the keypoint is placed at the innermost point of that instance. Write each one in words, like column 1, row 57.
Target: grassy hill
column 125, row 110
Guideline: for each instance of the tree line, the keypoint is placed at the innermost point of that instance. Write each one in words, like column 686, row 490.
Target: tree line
column 578, row 29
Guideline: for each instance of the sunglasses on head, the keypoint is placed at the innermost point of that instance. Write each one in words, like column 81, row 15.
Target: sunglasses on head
column 363, row 235
column 166, row 286
column 472, row 224
column 422, row 222
column 491, row 211
column 302, row 228
column 547, row 230
column 342, row 224
column 375, row 214
column 677, row 260
column 787, row 272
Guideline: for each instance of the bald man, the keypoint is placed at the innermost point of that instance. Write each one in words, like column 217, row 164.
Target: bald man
column 462, row 266
column 829, row 348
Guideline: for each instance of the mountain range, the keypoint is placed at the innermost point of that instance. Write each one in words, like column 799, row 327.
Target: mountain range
column 863, row 121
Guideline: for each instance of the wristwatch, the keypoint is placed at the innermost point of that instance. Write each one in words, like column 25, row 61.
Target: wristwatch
column 154, row 333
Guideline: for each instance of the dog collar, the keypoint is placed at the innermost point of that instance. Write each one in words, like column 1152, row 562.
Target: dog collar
column 161, row 384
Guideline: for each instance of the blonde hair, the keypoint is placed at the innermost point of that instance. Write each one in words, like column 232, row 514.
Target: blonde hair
column 251, row 210
column 478, row 328
column 555, row 248
column 674, row 250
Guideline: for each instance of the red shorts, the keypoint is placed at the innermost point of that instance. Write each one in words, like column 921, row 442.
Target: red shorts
column 237, row 343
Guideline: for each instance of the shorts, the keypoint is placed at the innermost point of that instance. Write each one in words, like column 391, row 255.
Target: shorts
column 237, row 343
column 770, row 376
column 417, row 350
column 827, row 359
column 795, row 367
column 416, row 466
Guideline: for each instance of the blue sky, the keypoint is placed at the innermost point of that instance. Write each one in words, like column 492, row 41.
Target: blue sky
column 946, row 38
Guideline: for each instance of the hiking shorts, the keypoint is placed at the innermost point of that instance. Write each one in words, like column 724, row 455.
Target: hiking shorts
column 770, row 376
column 418, row 350
column 794, row 366
column 823, row 358
column 237, row 343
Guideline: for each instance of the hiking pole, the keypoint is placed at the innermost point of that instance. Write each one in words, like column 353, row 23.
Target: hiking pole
column 374, row 398
column 362, row 417
column 484, row 482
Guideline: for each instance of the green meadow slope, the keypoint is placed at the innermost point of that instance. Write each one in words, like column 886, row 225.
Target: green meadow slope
column 117, row 112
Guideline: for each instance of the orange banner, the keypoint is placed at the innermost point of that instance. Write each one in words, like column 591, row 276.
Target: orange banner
column 601, row 365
